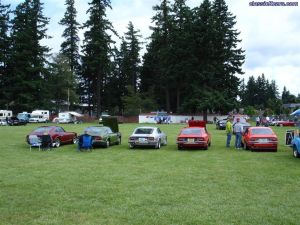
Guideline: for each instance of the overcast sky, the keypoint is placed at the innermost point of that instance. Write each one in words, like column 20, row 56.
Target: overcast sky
column 270, row 35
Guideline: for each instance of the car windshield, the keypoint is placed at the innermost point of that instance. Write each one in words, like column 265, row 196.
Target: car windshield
column 43, row 129
column 192, row 131
column 261, row 131
column 95, row 130
column 143, row 131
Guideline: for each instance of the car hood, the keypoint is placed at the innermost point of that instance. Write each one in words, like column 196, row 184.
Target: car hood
column 142, row 135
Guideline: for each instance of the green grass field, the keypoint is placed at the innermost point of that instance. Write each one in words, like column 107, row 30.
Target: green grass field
column 121, row 186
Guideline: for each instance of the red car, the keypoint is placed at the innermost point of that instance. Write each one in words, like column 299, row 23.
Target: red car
column 285, row 123
column 58, row 135
column 194, row 136
column 260, row 138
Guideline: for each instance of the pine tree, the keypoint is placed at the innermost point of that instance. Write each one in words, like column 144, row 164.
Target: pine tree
column 132, row 56
column 28, row 61
column 228, row 57
column 96, row 49
column 69, row 46
column 4, row 50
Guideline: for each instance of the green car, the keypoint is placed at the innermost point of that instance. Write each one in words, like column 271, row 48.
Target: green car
column 103, row 136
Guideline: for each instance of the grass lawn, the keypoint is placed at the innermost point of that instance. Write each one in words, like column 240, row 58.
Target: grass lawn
column 121, row 186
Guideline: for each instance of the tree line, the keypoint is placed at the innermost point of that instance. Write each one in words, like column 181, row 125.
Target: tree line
column 192, row 60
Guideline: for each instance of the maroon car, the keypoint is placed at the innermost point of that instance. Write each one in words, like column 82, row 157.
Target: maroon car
column 285, row 123
column 58, row 135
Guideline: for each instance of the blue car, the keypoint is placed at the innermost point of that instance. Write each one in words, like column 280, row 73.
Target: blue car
column 296, row 147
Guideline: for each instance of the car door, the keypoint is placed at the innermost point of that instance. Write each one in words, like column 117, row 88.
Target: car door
column 63, row 136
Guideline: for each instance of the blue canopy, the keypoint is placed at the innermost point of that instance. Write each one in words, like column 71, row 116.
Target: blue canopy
column 296, row 113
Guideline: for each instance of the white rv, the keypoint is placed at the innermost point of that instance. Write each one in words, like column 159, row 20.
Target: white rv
column 5, row 113
column 39, row 116
column 68, row 117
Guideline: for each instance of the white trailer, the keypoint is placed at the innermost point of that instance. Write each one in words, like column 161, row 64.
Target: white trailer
column 5, row 113
column 44, row 113
column 68, row 117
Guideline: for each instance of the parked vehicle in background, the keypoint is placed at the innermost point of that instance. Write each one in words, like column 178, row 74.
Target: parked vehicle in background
column 147, row 136
column 296, row 146
column 24, row 116
column 34, row 118
column 285, row 123
column 103, row 136
column 5, row 114
column 58, row 135
column 14, row 121
column 103, row 114
column 44, row 113
column 67, row 117
column 3, row 122
column 243, row 121
column 260, row 139
column 221, row 124
column 194, row 136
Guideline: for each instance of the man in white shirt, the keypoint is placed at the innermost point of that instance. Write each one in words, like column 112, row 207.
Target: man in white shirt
column 238, row 130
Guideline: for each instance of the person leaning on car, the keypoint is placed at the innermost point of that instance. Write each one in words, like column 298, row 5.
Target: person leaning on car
column 228, row 130
column 238, row 129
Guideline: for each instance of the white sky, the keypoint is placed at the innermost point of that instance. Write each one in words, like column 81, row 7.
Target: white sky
column 270, row 35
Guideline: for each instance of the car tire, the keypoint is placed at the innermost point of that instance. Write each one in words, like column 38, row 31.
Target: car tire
column 56, row 143
column 180, row 148
column 295, row 152
column 75, row 140
column 107, row 143
column 166, row 141
column 131, row 146
column 158, row 145
column 119, row 141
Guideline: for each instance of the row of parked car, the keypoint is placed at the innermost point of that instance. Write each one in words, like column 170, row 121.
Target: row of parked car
column 195, row 135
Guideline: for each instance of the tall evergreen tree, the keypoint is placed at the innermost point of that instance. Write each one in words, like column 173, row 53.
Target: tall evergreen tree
column 228, row 57
column 69, row 46
column 96, row 49
column 132, row 56
column 155, row 70
column 4, row 50
column 28, row 61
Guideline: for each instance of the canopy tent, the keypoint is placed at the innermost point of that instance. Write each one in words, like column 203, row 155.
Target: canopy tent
column 296, row 113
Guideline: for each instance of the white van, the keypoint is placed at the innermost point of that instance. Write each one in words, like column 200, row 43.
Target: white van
column 5, row 113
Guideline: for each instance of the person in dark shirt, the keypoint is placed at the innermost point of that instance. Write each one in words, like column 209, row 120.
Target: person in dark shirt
column 46, row 142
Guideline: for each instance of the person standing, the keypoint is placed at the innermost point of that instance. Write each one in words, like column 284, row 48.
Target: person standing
column 228, row 130
column 238, row 129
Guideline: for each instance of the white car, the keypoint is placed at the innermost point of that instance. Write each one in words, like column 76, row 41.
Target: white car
column 147, row 136
column 3, row 122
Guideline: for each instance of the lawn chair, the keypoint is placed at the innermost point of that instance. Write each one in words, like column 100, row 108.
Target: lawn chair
column 46, row 142
column 34, row 141
column 85, row 142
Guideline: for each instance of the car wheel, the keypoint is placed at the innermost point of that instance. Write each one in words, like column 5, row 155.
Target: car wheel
column 119, row 141
column 107, row 143
column 131, row 146
column 179, row 147
column 295, row 152
column 56, row 143
column 75, row 140
column 157, row 146
column 166, row 141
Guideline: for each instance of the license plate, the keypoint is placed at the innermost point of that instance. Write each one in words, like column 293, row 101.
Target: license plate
column 191, row 140
column 263, row 140
column 143, row 140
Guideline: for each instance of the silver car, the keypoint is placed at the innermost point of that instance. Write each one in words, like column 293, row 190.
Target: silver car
column 147, row 136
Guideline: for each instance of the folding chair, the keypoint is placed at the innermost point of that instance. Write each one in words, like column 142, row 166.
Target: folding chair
column 86, row 143
column 34, row 141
